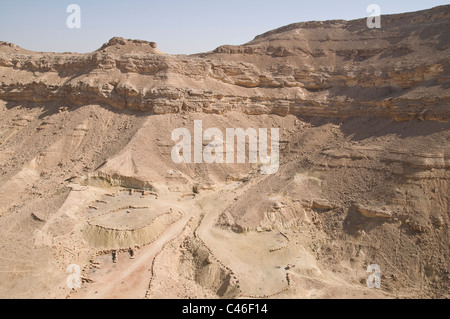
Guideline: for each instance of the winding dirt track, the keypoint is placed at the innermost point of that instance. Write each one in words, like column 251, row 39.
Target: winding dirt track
column 247, row 255
column 128, row 278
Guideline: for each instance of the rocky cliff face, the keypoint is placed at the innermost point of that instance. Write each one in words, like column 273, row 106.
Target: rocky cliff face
column 331, row 69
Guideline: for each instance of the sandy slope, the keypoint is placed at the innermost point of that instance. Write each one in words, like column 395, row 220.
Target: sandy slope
column 86, row 167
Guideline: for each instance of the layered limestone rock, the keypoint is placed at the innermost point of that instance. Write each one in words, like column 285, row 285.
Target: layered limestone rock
column 330, row 69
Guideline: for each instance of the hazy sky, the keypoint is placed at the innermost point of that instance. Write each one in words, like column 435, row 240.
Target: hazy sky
column 177, row 26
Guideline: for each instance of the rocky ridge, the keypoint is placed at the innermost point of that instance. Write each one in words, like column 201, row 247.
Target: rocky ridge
column 330, row 69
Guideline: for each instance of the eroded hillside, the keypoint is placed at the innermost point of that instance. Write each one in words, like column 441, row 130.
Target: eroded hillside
column 86, row 167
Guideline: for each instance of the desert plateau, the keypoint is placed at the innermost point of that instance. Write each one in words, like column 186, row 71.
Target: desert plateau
column 88, row 184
